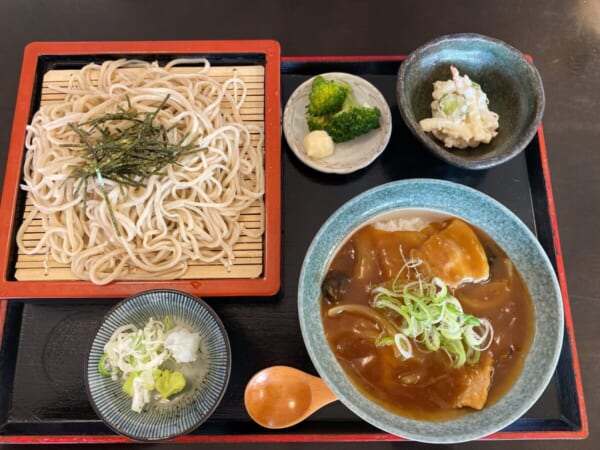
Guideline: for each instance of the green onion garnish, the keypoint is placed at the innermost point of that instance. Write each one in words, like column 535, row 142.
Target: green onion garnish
column 433, row 318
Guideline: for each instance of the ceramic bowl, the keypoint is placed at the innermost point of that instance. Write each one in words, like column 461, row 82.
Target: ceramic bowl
column 206, row 378
column 348, row 156
column 445, row 198
column 512, row 84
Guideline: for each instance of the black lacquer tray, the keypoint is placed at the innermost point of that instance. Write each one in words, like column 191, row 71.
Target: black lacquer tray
column 44, row 343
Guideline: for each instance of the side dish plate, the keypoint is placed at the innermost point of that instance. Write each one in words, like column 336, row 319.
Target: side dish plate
column 348, row 156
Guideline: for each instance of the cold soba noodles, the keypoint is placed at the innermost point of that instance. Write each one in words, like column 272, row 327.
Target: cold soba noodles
column 430, row 320
column 141, row 170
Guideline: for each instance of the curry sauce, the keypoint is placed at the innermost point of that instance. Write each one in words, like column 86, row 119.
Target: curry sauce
column 427, row 386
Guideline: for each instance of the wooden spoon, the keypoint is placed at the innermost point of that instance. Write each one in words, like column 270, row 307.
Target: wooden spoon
column 282, row 396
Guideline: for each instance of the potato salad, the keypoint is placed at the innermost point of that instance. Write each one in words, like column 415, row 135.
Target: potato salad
column 461, row 117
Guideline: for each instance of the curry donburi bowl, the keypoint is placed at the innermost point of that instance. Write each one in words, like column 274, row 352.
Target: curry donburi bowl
column 437, row 198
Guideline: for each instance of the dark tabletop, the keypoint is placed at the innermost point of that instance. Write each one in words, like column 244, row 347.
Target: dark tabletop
column 563, row 37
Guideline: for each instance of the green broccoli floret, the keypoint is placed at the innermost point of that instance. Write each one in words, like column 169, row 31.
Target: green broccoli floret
column 327, row 97
column 317, row 122
column 352, row 121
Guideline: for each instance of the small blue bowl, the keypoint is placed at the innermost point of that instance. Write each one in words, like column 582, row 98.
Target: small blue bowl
column 521, row 246
column 205, row 386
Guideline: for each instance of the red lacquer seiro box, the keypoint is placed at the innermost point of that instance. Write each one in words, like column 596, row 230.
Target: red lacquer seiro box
column 256, row 268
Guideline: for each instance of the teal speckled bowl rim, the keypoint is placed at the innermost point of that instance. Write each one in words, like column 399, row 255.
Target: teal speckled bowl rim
column 520, row 245
column 113, row 406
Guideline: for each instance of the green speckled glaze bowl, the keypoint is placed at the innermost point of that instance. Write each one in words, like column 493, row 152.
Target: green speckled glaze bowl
column 512, row 84
column 206, row 378
column 515, row 238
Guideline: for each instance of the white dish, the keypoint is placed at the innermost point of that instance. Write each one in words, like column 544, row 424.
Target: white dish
column 348, row 156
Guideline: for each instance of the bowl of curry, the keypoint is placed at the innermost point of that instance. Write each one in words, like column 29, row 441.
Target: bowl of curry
column 431, row 310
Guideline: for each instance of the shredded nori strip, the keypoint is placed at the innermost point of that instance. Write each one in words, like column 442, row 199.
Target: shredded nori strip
column 127, row 155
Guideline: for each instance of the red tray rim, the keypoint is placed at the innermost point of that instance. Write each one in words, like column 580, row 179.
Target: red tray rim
column 581, row 433
column 266, row 284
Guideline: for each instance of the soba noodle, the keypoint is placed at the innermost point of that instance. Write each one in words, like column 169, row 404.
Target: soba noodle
column 192, row 213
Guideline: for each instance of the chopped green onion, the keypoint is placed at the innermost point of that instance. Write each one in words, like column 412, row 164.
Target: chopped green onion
column 131, row 355
column 403, row 345
column 432, row 317
column 104, row 366
column 382, row 341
